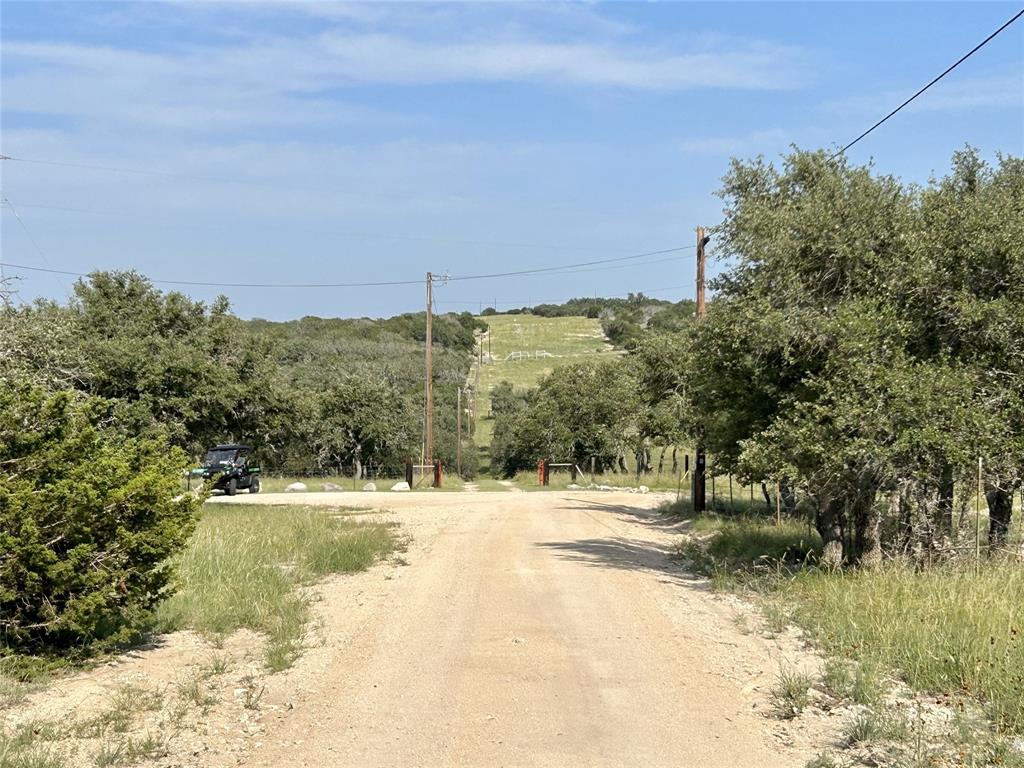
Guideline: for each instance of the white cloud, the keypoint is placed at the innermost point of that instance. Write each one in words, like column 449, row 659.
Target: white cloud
column 332, row 60
column 252, row 117
column 390, row 59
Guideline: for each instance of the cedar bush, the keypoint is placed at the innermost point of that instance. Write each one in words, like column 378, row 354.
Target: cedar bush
column 88, row 520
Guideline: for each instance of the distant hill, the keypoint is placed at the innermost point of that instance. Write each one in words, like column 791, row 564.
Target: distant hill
column 623, row 320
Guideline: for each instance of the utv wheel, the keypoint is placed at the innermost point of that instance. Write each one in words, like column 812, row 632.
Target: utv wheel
column 232, row 487
column 254, row 485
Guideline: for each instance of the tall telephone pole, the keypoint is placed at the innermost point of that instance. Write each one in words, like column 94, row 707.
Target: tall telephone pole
column 701, row 242
column 700, row 465
column 458, row 431
column 429, row 457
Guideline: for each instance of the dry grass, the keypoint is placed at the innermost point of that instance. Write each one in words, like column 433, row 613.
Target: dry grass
column 244, row 564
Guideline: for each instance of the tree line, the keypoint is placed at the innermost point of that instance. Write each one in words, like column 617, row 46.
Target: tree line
column 312, row 395
column 107, row 398
column 864, row 350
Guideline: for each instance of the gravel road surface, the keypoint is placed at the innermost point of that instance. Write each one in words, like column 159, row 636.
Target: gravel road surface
column 529, row 629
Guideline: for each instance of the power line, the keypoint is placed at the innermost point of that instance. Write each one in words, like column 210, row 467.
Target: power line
column 196, row 283
column 35, row 244
column 534, row 302
column 566, row 269
column 542, row 270
column 960, row 61
column 631, row 265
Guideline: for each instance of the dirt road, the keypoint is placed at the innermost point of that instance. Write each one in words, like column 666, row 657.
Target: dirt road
column 547, row 629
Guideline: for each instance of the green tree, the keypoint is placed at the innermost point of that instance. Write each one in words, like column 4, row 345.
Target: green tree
column 865, row 343
column 580, row 411
column 364, row 421
column 88, row 522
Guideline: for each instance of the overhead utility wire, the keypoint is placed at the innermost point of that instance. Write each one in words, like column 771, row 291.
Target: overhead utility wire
column 196, row 283
column 960, row 61
column 4, row 200
column 542, row 270
column 631, row 265
column 369, row 284
column 534, row 302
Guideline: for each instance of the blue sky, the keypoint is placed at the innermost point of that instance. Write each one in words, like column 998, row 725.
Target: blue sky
column 323, row 142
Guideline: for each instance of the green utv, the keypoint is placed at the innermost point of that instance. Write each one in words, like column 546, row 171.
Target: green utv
column 227, row 467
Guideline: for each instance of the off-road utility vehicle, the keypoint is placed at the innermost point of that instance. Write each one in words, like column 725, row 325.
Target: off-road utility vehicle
column 227, row 467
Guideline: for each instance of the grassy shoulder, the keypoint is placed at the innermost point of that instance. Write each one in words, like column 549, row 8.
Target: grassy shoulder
column 244, row 567
column 952, row 635
column 245, row 564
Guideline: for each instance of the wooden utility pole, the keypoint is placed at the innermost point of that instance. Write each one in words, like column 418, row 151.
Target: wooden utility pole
column 700, row 465
column 458, row 432
column 701, row 242
column 429, row 457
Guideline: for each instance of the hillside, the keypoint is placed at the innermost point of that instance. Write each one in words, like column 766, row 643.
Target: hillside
column 556, row 339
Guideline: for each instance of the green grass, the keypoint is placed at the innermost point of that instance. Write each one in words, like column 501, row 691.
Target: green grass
column 826, row 760
column 860, row 682
column 30, row 754
column 878, row 725
column 104, row 735
column 953, row 629
column 731, row 548
column 568, row 338
column 560, row 479
column 244, row 564
column 277, row 483
column 486, row 483
column 791, row 694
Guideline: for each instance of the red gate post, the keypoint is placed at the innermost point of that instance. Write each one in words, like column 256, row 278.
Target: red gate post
column 437, row 473
column 540, row 472
column 408, row 472
column 547, row 471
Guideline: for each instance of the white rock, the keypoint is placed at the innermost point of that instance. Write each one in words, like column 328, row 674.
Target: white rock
column 330, row 486
column 573, row 487
column 371, row 487
column 402, row 486
column 295, row 487
column 643, row 489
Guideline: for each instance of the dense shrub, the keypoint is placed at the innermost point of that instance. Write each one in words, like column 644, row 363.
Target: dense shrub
column 88, row 520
